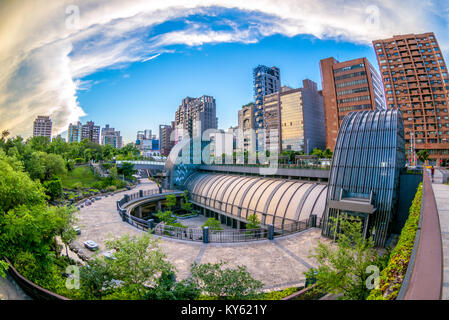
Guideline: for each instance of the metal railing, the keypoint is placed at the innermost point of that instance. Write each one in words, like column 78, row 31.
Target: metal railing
column 205, row 234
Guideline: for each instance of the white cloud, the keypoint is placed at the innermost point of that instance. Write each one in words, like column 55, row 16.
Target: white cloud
column 44, row 52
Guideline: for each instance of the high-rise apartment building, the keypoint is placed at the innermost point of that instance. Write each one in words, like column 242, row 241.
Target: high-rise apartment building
column 348, row 86
column 246, row 127
column 266, row 80
column 165, row 141
column 74, row 132
column 111, row 137
column 195, row 112
column 90, row 131
column 416, row 82
column 294, row 119
column 42, row 127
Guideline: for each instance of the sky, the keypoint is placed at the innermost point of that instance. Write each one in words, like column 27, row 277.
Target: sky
column 129, row 64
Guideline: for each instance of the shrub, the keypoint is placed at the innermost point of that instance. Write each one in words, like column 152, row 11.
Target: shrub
column 111, row 188
column 213, row 224
column 53, row 188
column 278, row 295
column 391, row 277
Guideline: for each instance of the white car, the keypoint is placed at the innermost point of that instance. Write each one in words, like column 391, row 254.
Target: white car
column 109, row 255
column 91, row 245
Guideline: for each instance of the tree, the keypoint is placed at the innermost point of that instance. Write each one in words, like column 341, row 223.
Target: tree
column 327, row 153
column 317, row 152
column 225, row 283
column 3, row 268
column 53, row 188
column 166, row 216
column 342, row 268
column 127, row 169
column 423, row 155
column 167, row 288
column 138, row 263
column 212, row 224
column 96, row 279
column 187, row 206
column 253, row 222
column 170, row 201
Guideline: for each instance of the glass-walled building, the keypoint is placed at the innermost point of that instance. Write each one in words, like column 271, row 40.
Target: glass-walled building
column 364, row 178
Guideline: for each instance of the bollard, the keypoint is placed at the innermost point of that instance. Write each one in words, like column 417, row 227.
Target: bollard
column 313, row 217
column 124, row 218
column 140, row 193
column 270, row 232
column 150, row 223
column 160, row 189
column 206, row 234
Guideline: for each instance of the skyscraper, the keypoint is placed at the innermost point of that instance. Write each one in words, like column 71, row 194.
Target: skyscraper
column 246, row 127
column 416, row 82
column 196, row 111
column 90, row 131
column 294, row 119
column 74, row 132
column 165, row 143
column 266, row 81
column 42, row 127
column 348, row 86
column 111, row 137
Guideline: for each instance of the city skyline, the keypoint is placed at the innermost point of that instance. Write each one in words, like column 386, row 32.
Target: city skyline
column 142, row 80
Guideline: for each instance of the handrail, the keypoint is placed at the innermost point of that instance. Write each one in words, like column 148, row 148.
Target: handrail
column 424, row 277
column 30, row 288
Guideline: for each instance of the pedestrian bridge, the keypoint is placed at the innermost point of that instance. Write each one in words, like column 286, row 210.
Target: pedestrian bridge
column 141, row 164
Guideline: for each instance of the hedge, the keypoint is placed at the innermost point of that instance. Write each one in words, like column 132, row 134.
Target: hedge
column 392, row 276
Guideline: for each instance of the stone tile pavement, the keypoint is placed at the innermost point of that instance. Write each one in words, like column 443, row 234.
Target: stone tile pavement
column 441, row 192
column 278, row 264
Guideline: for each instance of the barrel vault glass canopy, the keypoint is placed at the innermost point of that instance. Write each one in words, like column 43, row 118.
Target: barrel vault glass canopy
column 368, row 157
column 274, row 201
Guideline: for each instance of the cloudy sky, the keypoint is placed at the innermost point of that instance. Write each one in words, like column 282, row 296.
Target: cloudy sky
column 130, row 63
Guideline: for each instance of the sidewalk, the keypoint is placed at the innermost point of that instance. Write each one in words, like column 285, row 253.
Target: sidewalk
column 441, row 192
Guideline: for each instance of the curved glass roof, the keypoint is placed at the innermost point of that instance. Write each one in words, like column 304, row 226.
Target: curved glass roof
column 274, row 201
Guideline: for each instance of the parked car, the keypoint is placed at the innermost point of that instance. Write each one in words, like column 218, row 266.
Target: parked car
column 109, row 255
column 77, row 230
column 97, row 198
column 91, row 245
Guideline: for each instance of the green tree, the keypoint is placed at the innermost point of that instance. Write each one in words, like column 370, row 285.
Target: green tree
column 139, row 262
column 253, row 222
column 423, row 155
column 167, row 288
column 166, row 216
column 317, row 152
column 3, row 268
column 127, row 169
column 53, row 188
column 96, row 279
column 170, row 201
column 342, row 268
column 213, row 224
column 327, row 153
column 225, row 283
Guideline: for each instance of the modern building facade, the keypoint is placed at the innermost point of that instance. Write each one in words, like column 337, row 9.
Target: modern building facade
column 74, row 132
column 247, row 129
column 294, row 119
column 364, row 179
column 280, row 202
column 416, row 82
column 194, row 112
column 42, row 127
column 166, row 143
column 266, row 80
column 91, row 132
column 348, row 86
column 111, row 137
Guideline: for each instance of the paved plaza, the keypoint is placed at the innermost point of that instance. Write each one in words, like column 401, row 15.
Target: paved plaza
column 278, row 264
column 441, row 192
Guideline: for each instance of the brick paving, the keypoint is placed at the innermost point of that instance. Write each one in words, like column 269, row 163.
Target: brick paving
column 278, row 264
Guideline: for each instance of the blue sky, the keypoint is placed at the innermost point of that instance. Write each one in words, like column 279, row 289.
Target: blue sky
column 129, row 64
column 146, row 94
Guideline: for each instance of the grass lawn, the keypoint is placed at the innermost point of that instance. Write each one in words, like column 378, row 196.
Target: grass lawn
column 80, row 175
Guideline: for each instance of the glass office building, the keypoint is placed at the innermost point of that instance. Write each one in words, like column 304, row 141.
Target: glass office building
column 364, row 177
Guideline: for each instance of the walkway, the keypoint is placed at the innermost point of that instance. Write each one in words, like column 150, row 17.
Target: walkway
column 278, row 264
column 441, row 192
column 10, row 290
